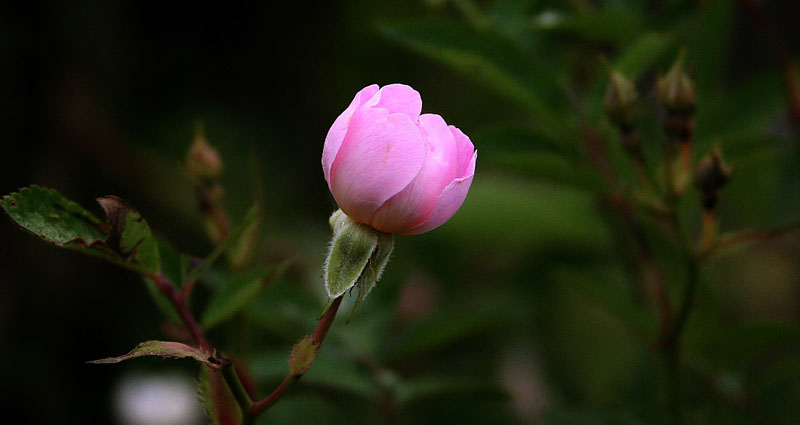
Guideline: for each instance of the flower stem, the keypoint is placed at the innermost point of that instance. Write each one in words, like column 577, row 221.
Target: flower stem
column 317, row 337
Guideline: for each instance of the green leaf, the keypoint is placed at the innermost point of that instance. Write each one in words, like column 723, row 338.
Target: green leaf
column 124, row 238
column 227, row 243
column 236, row 292
column 166, row 349
column 491, row 60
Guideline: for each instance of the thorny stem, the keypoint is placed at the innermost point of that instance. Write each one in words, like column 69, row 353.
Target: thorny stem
column 317, row 337
column 166, row 288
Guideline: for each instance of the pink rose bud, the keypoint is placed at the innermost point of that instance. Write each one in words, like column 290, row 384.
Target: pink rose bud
column 393, row 169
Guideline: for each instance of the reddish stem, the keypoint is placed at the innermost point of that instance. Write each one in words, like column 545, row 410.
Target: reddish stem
column 317, row 337
column 179, row 303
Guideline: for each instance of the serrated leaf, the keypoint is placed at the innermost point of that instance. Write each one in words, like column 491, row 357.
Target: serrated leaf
column 165, row 349
column 236, row 292
column 124, row 238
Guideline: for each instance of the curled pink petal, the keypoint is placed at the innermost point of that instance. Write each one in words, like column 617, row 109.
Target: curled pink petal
column 415, row 203
column 333, row 140
column 448, row 203
column 398, row 98
column 380, row 155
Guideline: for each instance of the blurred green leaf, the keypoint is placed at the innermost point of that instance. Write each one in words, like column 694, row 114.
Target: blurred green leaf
column 286, row 310
column 707, row 38
column 549, row 167
column 124, row 238
column 500, row 139
column 643, row 53
column 431, row 387
column 751, row 340
column 606, row 25
column 234, row 294
column 748, row 109
column 165, row 349
column 308, row 409
column 491, row 60
column 520, row 215
column 608, row 289
column 227, row 243
column 443, row 328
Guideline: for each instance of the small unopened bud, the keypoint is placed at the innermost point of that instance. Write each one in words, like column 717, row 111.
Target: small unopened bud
column 711, row 175
column 676, row 90
column 621, row 102
column 203, row 163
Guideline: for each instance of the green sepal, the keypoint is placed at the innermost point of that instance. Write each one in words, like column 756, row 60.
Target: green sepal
column 351, row 249
column 374, row 268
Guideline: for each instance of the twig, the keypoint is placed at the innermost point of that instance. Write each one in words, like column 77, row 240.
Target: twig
column 317, row 337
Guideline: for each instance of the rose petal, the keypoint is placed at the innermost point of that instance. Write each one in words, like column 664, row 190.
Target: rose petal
column 398, row 98
column 380, row 155
column 333, row 140
column 414, row 203
column 449, row 202
column 465, row 151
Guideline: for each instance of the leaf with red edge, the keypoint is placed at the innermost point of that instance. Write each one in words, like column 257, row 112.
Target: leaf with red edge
column 166, row 349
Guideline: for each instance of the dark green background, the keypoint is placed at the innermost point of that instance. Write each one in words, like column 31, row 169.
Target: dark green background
column 525, row 286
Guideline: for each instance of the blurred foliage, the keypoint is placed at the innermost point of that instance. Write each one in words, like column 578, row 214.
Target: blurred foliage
column 526, row 307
